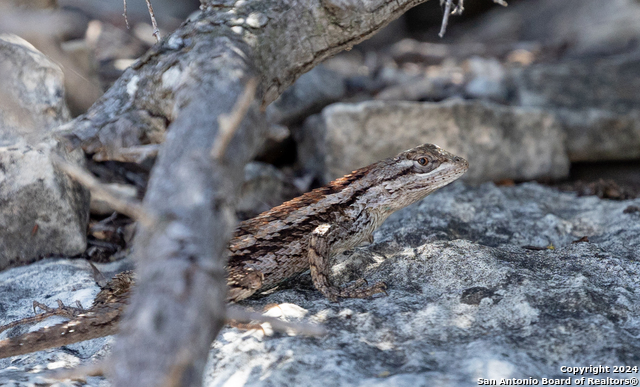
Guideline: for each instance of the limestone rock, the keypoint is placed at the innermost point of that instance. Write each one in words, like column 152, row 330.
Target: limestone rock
column 499, row 142
column 264, row 187
column 601, row 135
column 43, row 211
column 609, row 83
column 595, row 101
column 466, row 300
column 310, row 93
column 584, row 27
column 32, row 94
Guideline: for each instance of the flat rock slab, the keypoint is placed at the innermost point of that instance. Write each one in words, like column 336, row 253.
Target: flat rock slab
column 609, row 83
column 500, row 142
column 466, row 300
column 594, row 100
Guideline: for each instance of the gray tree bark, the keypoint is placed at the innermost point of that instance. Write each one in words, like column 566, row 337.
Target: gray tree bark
column 183, row 85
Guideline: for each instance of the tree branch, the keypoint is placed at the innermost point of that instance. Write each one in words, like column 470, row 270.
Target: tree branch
column 186, row 83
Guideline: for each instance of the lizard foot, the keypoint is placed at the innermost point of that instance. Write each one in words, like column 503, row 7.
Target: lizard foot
column 352, row 291
column 61, row 310
column 320, row 268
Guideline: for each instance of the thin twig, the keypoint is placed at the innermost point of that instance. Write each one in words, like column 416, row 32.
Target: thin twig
column 445, row 17
column 131, row 208
column 126, row 20
column 459, row 8
column 156, row 31
column 242, row 315
column 229, row 123
column 134, row 154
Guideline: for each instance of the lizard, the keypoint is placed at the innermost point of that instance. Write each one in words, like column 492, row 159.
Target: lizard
column 299, row 235
column 304, row 233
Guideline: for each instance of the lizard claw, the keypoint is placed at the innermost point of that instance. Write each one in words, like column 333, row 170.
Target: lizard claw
column 384, row 289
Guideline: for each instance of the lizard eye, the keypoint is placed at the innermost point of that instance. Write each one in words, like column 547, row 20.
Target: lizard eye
column 422, row 161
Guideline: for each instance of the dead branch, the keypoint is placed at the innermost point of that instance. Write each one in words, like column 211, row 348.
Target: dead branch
column 445, row 17
column 133, row 154
column 234, row 313
column 124, row 14
column 456, row 11
column 188, row 81
column 154, row 24
column 459, row 8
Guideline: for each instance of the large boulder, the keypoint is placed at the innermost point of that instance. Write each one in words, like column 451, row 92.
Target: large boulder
column 43, row 212
column 484, row 282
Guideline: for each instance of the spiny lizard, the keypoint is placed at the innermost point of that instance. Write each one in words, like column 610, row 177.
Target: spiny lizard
column 301, row 234
column 304, row 233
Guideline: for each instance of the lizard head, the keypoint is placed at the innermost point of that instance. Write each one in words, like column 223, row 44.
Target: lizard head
column 415, row 173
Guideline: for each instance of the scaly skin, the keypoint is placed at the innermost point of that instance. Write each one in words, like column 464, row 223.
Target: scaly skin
column 274, row 246
column 301, row 234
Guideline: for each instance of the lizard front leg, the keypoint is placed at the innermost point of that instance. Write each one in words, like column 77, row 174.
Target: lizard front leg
column 243, row 283
column 320, row 266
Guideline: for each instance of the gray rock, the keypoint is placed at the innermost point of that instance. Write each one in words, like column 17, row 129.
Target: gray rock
column 475, row 78
column 584, row 27
column 593, row 98
column 32, row 95
column 486, row 79
column 309, row 94
column 43, row 211
column 264, row 187
column 499, row 142
column 609, row 83
column 465, row 300
column 596, row 102
column 600, row 135
column 441, row 82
